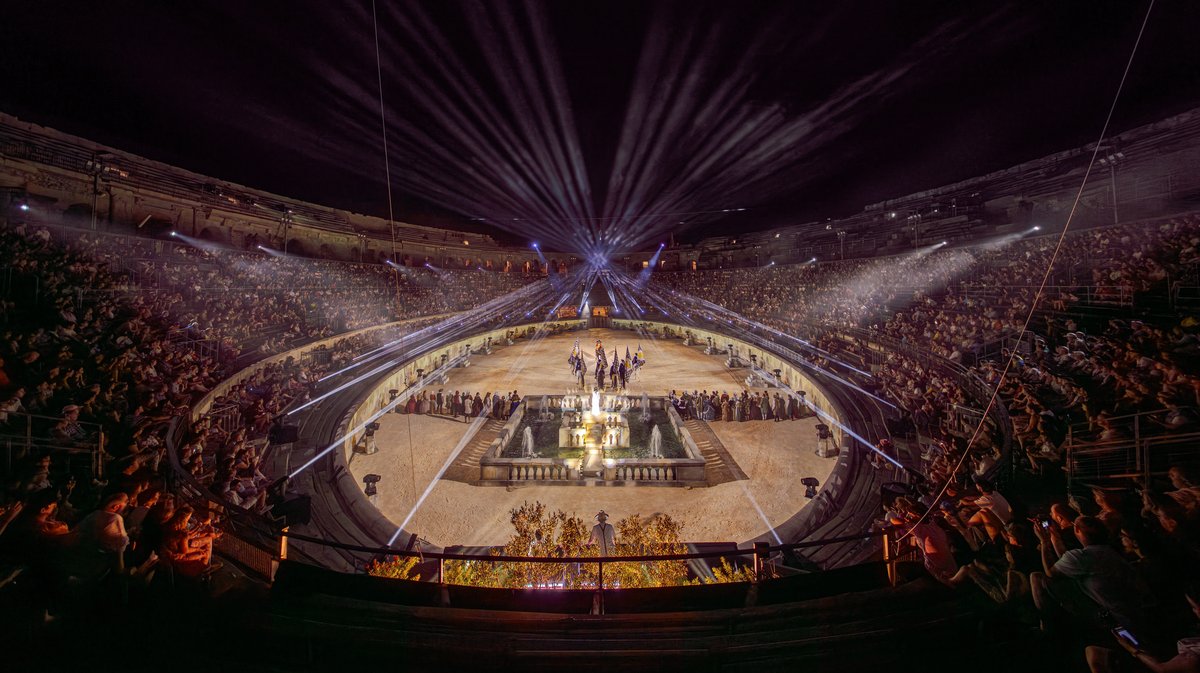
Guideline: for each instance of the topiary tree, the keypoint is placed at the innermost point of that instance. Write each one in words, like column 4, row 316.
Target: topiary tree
column 652, row 536
column 538, row 532
column 395, row 567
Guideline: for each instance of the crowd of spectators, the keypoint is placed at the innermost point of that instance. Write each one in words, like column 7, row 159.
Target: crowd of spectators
column 968, row 307
column 107, row 343
column 273, row 302
column 1121, row 558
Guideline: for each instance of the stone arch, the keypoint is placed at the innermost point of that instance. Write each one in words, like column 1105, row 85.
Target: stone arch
column 296, row 246
column 214, row 235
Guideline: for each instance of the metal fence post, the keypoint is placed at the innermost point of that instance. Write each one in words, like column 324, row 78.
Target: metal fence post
column 600, row 584
column 888, row 560
column 760, row 553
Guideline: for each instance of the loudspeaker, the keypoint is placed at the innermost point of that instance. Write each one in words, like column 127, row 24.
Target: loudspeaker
column 889, row 491
column 294, row 512
column 283, row 434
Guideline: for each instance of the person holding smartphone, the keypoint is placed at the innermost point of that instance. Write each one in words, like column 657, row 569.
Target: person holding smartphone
column 1085, row 583
column 1186, row 658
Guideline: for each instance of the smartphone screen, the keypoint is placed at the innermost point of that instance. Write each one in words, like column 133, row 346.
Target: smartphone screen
column 1126, row 635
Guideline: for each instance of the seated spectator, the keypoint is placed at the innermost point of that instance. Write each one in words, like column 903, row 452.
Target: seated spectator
column 934, row 545
column 1110, row 502
column 69, row 430
column 1183, row 658
column 104, row 529
column 1187, row 491
column 1062, row 518
column 1094, row 585
column 989, row 510
column 188, row 549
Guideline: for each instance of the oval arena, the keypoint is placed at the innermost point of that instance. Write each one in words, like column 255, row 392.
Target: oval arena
column 619, row 336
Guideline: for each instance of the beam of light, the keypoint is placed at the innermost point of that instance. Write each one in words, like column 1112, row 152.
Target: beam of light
column 272, row 252
column 476, row 423
column 483, row 311
column 683, row 313
column 400, row 268
column 400, row 399
column 651, row 266
column 723, row 314
column 502, row 145
column 436, row 336
column 199, row 243
column 825, row 416
column 925, row 251
column 761, row 514
column 690, row 134
column 517, row 366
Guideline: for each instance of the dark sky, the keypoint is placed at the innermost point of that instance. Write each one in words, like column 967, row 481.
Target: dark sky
column 588, row 122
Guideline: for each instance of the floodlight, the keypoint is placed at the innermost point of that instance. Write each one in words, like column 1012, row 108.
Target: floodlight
column 810, row 487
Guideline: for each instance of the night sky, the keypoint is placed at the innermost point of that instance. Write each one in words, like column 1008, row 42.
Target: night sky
column 591, row 123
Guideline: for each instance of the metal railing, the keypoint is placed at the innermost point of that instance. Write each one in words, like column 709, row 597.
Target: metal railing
column 23, row 435
column 1094, row 295
column 1145, row 450
column 761, row 556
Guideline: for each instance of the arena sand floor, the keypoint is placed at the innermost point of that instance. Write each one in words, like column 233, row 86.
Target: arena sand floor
column 415, row 449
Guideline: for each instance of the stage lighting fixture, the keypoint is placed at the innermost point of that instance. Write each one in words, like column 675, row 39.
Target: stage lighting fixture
column 371, row 429
column 173, row 233
column 535, row 245
column 370, row 488
column 810, row 487
column 1036, row 228
column 24, row 207
column 944, row 242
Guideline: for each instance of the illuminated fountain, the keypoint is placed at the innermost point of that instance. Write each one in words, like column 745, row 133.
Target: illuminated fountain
column 597, row 428
column 527, row 443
